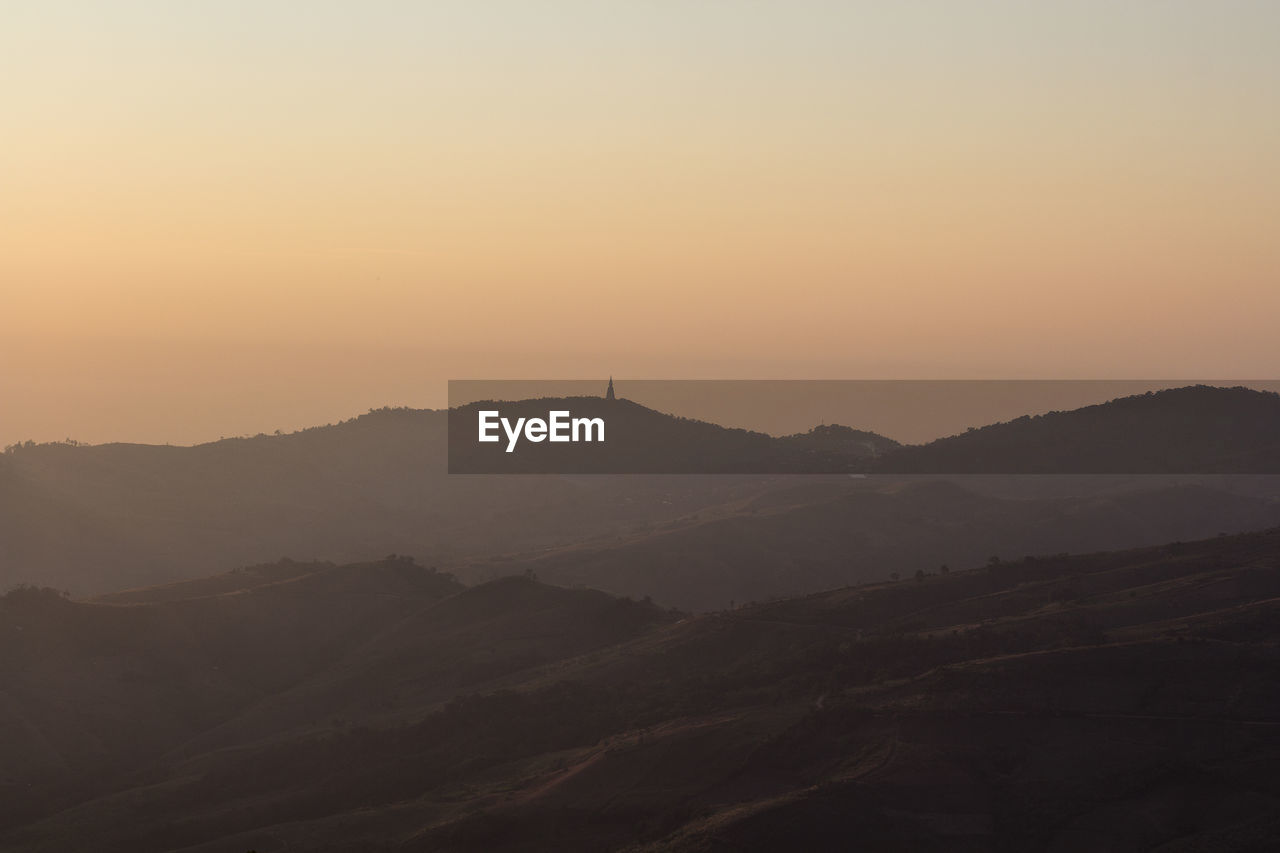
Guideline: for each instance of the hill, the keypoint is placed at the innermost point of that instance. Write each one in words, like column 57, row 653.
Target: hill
column 1117, row 700
column 1196, row 429
column 95, row 690
column 1191, row 430
column 95, row 519
column 640, row 440
column 836, row 533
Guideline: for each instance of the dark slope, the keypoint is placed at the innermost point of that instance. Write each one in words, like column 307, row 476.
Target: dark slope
column 1198, row 429
column 1121, row 700
column 85, row 684
column 95, row 693
column 477, row 638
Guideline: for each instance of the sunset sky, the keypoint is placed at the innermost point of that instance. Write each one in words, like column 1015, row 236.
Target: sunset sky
column 230, row 217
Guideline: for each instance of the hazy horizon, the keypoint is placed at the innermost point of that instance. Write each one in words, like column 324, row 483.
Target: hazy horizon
column 910, row 411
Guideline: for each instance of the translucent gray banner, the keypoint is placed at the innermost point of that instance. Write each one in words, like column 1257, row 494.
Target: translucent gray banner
column 864, row 427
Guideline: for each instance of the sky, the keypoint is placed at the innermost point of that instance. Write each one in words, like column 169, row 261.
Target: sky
column 222, row 218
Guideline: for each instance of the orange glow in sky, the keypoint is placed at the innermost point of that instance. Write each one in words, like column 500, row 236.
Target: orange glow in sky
column 218, row 218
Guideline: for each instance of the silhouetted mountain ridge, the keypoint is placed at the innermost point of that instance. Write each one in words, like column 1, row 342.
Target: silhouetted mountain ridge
column 95, row 519
column 639, row 439
column 99, row 518
column 1194, row 429
column 1191, row 430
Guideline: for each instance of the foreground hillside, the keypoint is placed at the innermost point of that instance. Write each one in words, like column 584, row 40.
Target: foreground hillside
column 1111, row 701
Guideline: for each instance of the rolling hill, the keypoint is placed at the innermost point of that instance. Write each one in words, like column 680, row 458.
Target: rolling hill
column 94, row 519
column 1116, row 700
column 94, row 691
column 640, row 440
column 1196, row 429
column 823, row 535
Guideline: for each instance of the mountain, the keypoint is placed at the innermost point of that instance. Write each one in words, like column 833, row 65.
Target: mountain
column 640, row 440
column 1196, row 429
column 1116, row 700
column 1192, row 430
column 94, row 519
column 95, row 691
column 835, row 533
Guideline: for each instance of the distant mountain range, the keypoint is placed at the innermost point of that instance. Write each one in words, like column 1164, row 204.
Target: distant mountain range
column 99, row 518
column 1192, row 430
column 645, row 441
column 1198, row 429
column 94, row 519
